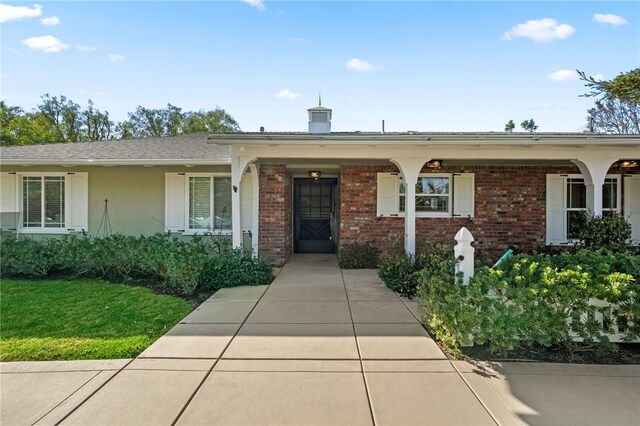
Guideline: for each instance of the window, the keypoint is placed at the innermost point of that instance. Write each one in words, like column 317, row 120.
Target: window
column 437, row 195
column 567, row 205
column 198, row 202
column 45, row 203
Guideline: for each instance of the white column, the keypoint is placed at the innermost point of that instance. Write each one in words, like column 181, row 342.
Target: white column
column 238, row 167
column 465, row 254
column 410, row 169
column 255, row 220
column 594, row 171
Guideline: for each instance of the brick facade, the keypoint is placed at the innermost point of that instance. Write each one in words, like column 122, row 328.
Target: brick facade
column 510, row 209
column 276, row 213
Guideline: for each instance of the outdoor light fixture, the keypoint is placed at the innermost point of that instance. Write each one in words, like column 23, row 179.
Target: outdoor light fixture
column 627, row 164
column 315, row 174
column 434, row 164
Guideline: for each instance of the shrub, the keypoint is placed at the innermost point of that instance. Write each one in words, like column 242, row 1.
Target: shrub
column 611, row 232
column 157, row 261
column 234, row 268
column 529, row 298
column 400, row 273
column 359, row 256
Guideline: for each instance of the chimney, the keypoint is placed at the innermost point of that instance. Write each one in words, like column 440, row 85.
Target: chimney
column 319, row 119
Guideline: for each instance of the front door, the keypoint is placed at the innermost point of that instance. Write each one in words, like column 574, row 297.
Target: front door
column 314, row 215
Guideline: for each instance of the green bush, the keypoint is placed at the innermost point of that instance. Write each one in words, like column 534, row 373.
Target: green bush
column 611, row 232
column 400, row 273
column 528, row 300
column 235, row 268
column 359, row 255
column 157, row 260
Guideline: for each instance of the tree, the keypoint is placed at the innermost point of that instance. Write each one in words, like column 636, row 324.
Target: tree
column 97, row 126
column 64, row 115
column 618, row 108
column 509, row 126
column 529, row 125
column 216, row 121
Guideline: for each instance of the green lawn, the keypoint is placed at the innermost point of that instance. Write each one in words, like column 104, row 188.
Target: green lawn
column 81, row 319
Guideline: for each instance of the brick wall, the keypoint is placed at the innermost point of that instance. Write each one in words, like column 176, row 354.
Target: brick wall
column 358, row 205
column 276, row 216
column 509, row 209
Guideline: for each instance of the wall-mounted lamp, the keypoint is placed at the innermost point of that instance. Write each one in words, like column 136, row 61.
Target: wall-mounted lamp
column 434, row 164
column 315, row 174
column 235, row 188
column 627, row 164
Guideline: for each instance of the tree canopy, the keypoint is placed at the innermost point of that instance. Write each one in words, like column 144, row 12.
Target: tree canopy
column 617, row 110
column 59, row 119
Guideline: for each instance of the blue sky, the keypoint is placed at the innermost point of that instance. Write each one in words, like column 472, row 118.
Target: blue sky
column 425, row 66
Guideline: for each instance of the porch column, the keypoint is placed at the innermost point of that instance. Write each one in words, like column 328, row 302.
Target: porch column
column 410, row 169
column 238, row 167
column 255, row 220
column 594, row 171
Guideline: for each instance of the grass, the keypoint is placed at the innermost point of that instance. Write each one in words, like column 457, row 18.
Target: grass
column 81, row 319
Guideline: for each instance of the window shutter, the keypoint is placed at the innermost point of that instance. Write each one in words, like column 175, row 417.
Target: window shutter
column 247, row 202
column 632, row 205
column 174, row 202
column 78, row 201
column 556, row 224
column 388, row 198
column 463, row 194
column 8, row 201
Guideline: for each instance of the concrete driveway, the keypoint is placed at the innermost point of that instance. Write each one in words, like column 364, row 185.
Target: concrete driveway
column 319, row 346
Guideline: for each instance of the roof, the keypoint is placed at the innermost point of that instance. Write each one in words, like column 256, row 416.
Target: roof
column 166, row 150
column 422, row 138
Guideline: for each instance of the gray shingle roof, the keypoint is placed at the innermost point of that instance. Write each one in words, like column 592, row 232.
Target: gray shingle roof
column 187, row 147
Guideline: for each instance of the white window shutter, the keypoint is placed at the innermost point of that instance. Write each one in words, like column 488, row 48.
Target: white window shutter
column 388, row 197
column 175, row 202
column 247, row 202
column 463, row 194
column 8, row 199
column 632, row 205
column 78, row 210
column 556, row 201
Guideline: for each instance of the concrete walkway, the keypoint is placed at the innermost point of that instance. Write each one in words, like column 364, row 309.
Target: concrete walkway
column 319, row 346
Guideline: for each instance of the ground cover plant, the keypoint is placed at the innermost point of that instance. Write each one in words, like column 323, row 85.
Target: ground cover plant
column 81, row 319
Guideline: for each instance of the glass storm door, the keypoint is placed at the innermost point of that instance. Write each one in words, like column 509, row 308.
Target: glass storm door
column 314, row 216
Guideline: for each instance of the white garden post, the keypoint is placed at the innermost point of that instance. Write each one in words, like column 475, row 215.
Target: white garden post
column 464, row 254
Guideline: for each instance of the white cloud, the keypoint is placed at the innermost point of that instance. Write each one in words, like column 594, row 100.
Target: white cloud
column 545, row 29
column 287, row 95
column 17, row 13
column 113, row 57
column 356, row 64
column 258, row 4
column 609, row 18
column 49, row 22
column 563, row 75
column 83, row 48
column 48, row 44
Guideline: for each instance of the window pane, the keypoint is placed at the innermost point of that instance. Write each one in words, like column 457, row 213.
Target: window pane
column 576, row 194
column 54, row 201
column 199, row 203
column 610, row 194
column 402, row 203
column 432, row 204
column 432, row 185
column 32, row 201
column 222, row 203
column 401, row 182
